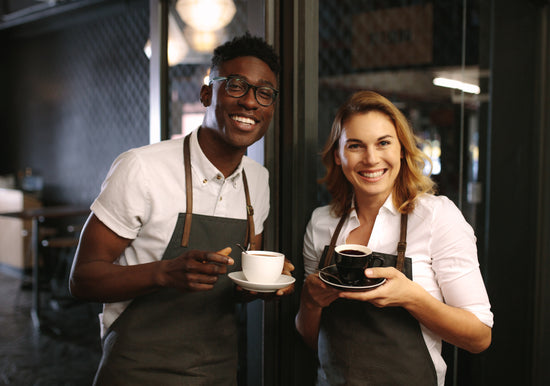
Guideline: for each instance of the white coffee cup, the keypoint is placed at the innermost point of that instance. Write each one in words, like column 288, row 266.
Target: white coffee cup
column 262, row 267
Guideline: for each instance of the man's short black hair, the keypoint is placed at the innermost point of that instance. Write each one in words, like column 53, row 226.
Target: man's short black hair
column 246, row 45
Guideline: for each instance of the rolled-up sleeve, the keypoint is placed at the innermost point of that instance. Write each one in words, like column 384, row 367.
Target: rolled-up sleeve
column 123, row 203
column 455, row 262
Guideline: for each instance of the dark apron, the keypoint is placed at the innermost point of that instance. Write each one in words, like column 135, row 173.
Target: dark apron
column 360, row 344
column 174, row 338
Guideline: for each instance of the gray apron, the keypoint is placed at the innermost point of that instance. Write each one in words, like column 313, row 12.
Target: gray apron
column 174, row 338
column 360, row 344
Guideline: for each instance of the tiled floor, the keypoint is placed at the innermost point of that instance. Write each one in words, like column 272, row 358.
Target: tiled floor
column 65, row 354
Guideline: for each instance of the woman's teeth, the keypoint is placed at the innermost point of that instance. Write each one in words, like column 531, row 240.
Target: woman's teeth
column 372, row 174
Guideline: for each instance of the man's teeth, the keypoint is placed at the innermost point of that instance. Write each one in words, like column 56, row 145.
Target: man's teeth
column 243, row 119
column 372, row 175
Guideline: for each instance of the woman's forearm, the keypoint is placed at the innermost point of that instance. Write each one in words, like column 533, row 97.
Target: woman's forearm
column 454, row 325
column 308, row 321
column 315, row 296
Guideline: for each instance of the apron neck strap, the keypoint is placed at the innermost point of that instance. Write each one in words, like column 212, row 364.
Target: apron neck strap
column 189, row 200
column 330, row 251
column 250, row 234
column 189, row 192
column 402, row 244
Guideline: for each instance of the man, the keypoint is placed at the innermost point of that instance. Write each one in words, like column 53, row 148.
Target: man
column 147, row 249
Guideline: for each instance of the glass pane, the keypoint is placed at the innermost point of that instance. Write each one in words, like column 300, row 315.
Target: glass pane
column 398, row 48
column 407, row 51
column 189, row 53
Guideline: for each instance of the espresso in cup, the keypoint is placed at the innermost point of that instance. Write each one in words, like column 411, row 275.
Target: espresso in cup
column 262, row 267
column 351, row 262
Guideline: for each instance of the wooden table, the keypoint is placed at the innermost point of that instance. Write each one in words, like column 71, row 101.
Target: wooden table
column 37, row 216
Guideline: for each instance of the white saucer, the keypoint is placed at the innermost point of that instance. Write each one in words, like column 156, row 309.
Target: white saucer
column 282, row 282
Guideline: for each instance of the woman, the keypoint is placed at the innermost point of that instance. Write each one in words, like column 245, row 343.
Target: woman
column 390, row 334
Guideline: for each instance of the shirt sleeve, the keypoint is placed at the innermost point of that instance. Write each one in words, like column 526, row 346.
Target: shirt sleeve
column 310, row 257
column 455, row 262
column 318, row 234
column 122, row 204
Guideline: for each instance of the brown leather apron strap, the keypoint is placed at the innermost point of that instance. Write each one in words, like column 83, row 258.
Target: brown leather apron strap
column 330, row 251
column 251, row 233
column 188, row 192
column 402, row 244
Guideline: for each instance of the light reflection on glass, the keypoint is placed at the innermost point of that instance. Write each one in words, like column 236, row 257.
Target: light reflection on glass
column 432, row 148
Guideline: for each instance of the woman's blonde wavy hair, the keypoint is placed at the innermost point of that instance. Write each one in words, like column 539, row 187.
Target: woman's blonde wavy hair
column 410, row 182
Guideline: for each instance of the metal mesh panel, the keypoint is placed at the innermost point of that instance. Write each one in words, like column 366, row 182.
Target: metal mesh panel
column 80, row 97
column 396, row 48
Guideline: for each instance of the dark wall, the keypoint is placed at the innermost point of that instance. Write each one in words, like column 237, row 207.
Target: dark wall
column 75, row 88
column 514, row 194
column 4, row 97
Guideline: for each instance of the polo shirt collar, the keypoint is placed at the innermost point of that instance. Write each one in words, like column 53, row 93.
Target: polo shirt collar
column 204, row 169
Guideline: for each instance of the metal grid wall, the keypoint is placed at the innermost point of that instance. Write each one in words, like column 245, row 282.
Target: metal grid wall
column 79, row 97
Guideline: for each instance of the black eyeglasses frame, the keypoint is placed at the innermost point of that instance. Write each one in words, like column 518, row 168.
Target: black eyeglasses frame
column 248, row 87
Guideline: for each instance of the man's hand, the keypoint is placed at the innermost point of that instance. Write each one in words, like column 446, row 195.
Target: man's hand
column 247, row 295
column 288, row 267
column 194, row 270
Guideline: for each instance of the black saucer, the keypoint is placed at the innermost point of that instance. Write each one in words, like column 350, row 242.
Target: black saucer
column 329, row 275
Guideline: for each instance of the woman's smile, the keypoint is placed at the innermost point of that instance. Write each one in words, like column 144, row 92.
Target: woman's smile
column 372, row 175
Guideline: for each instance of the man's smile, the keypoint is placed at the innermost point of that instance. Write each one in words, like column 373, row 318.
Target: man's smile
column 243, row 119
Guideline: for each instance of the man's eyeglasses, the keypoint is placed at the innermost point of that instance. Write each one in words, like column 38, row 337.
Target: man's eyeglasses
column 236, row 88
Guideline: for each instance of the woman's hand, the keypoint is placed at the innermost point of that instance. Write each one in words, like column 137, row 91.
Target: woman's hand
column 396, row 291
column 316, row 293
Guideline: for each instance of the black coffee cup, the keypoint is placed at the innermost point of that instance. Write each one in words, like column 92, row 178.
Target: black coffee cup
column 351, row 262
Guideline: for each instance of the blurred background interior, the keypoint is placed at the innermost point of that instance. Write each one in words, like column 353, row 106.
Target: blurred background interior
column 84, row 80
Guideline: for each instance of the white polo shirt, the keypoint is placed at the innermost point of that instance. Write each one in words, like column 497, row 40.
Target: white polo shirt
column 441, row 244
column 145, row 190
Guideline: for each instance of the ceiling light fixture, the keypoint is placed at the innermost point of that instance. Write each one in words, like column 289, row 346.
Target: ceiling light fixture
column 203, row 41
column 206, row 15
column 456, row 84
